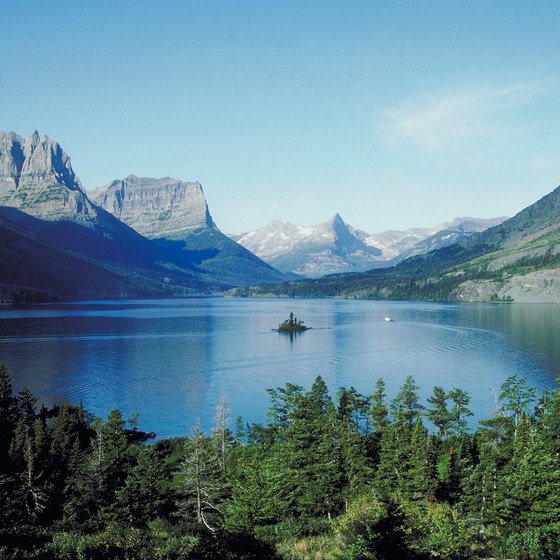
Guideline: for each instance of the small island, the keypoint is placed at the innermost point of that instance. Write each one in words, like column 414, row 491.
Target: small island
column 292, row 325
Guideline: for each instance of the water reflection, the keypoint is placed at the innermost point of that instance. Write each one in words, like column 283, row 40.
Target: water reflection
column 171, row 360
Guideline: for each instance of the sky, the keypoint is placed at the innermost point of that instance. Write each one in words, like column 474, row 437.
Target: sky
column 393, row 114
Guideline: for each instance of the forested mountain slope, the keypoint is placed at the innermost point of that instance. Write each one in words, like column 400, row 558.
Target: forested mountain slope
column 517, row 260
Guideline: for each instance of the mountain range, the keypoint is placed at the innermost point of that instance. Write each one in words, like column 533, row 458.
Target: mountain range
column 147, row 237
column 517, row 260
column 45, row 210
column 336, row 247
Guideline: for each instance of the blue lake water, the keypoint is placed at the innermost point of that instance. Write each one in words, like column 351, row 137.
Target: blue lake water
column 172, row 360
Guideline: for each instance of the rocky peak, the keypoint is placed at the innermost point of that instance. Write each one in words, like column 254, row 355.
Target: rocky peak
column 33, row 161
column 156, row 207
column 36, row 176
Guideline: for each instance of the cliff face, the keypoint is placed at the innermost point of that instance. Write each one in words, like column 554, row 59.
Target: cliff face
column 156, row 208
column 175, row 215
column 36, row 177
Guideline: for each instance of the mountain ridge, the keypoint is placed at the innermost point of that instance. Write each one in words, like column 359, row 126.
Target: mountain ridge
column 517, row 260
column 175, row 216
column 335, row 247
column 41, row 194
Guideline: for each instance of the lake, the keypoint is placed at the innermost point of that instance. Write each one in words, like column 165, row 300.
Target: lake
column 172, row 360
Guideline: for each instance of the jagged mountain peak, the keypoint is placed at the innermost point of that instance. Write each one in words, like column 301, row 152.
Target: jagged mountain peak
column 335, row 246
column 34, row 161
column 36, row 176
column 310, row 250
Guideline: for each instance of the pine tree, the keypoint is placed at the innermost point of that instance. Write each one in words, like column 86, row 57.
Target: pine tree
column 378, row 411
column 549, row 421
column 8, row 418
column 309, row 456
column 204, row 486
column 517, row 396
column 26, row 404
column 536, row 485
column 146, row 493
column 420, row 480
column 92, row 489
column 281, row 411
column 438, row 414
column 406, row 407
column 257, row 497
column 459, row 411
column 351, row 414
column 395, row 453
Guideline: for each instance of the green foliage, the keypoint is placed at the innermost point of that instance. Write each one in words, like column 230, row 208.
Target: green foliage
column 322, row 479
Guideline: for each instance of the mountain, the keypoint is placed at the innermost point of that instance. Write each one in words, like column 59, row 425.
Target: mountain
column 447, row 234
column 311, row 251
column 37, row 181
column 36, row 270
column 156, row 207
column 517, row 260
column 335, row 247
column 43, row 199
column 175, row 215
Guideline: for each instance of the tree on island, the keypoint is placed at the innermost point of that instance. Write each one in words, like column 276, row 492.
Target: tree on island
column 292, row 325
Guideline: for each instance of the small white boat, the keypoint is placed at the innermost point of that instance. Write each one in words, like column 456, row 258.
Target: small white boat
column 389, row 320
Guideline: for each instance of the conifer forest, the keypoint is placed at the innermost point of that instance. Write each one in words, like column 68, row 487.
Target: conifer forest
column 355, row 477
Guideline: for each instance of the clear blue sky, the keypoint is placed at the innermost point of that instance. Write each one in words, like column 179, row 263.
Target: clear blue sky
column 394, row 114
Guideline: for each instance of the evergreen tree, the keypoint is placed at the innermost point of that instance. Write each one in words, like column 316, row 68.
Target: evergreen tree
column 309, row 456
column 8, row 417
column 438, row 414
column 420, row 481
column 146, row 493
column 459, row 411
column 351, row 423
column 405, row 461
column 549, row 421
column 204, row 486
column 281, row 411
column 92, row 489
column 536, row 482
column 257, row 497
column 26, row 405
column 517, row 396
column 378, row 411
column 406, row 407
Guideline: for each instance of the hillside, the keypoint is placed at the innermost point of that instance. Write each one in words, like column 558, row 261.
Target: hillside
column 35, row 270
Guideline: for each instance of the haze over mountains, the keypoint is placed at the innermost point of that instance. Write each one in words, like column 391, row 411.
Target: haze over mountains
column 335, row 246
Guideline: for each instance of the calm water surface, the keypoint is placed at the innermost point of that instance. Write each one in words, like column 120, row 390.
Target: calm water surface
column 172, row 360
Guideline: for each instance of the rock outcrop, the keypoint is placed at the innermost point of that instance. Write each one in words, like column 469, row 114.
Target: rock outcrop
column 156, row 208
column 36, row 177
column 175, row 215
